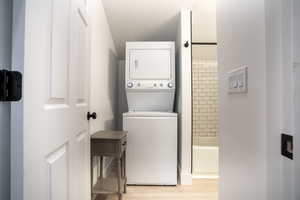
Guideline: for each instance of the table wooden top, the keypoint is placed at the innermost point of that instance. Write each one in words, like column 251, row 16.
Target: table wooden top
column 109, row 135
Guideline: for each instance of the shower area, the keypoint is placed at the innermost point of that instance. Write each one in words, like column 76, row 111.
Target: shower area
column 205, row 91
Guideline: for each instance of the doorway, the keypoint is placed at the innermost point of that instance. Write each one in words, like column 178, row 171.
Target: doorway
column 205, row 92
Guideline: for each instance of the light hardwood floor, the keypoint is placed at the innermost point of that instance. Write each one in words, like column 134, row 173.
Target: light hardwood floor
column 202, row 189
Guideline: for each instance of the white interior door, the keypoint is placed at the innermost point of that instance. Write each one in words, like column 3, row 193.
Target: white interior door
column 55, row 135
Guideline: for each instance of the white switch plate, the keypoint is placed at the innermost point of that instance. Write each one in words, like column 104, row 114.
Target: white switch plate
column 238, row 80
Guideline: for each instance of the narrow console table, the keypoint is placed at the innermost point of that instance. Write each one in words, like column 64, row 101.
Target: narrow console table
column 111, row 144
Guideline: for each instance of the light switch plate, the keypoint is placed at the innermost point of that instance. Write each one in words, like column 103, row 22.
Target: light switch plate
column 238, row 80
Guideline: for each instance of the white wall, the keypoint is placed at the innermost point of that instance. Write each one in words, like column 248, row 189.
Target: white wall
column 104, row 65
column 287, row 96
column 204, row 21
column 241, row 41
column 297, row 134
column 5, row 63
column 104, row 76
column 204, row 29
column 122, row 99
column 296, row 27
column 281, row 97
column 258, row 35
column 201, row 52
column 274, row 99
column 296, row 59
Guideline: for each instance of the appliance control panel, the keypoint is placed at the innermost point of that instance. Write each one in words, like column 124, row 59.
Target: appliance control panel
column 150, row 85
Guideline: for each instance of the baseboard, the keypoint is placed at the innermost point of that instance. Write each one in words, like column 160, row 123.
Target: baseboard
column 185, row 178
column 205, row 176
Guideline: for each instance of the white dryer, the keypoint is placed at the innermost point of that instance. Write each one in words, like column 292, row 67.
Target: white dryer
column 151, row 148
column 150, row 76
column 151, row 125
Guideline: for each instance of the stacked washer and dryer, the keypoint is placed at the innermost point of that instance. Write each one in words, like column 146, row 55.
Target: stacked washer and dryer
column 151, row 123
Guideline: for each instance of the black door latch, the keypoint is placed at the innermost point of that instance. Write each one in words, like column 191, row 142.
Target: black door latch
column 10, row 85
column 91, row 115
column 186, row 44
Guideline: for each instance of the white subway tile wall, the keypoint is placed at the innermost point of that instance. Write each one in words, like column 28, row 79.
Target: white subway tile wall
column 205, row 102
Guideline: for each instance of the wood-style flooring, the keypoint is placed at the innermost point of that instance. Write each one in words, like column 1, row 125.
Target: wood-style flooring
column 202, row 189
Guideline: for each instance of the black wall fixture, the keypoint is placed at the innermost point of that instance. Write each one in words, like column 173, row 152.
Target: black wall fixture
column 287, row 146
column 186, row 44
column 10, row 85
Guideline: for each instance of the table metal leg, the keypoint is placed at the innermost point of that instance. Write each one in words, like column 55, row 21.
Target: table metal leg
column 101, row 167
column 125, row 174
column 122, row 167
column 92, row 177
column 119, row 179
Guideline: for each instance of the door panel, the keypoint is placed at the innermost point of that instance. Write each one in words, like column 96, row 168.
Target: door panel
column 81, row 164
column 80, row 57
column 57, row 167
column 59, row 62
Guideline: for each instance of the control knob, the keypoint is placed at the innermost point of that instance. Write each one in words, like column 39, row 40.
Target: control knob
column 130, row 85
column 170, row 85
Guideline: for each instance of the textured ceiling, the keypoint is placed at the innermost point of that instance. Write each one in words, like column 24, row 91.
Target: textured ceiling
column 143, row 20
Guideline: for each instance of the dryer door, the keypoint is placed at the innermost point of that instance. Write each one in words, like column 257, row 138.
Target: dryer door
column 153, row 64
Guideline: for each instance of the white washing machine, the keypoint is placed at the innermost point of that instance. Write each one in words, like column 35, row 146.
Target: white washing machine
column 151, row 148
column 150, row 122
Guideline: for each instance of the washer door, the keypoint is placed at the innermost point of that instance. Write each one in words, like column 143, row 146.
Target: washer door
column 151, row 150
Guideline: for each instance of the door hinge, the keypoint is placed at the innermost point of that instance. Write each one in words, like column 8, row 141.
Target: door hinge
column 10, row 85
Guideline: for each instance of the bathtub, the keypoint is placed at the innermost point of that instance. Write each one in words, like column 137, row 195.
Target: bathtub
column 205, row 162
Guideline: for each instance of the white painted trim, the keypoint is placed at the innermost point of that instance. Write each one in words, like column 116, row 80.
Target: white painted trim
column 17, row 120
column 184, row 178
column 206, row 177
column 184, row 98
column 205, row 147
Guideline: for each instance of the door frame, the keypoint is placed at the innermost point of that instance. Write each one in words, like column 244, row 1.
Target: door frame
column 18, row 44
column 184, row 97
